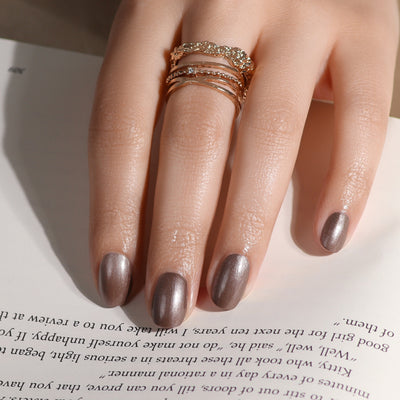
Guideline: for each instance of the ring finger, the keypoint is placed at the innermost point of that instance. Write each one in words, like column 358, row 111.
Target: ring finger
column 288, row 69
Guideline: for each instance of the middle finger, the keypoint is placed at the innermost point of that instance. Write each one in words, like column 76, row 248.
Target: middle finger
column 193, row 151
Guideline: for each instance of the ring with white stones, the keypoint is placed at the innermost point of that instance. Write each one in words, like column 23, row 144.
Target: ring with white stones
column 231, row 80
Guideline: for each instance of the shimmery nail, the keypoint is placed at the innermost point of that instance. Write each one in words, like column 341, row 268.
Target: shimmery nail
column 334, row 232
column 114, row 279
column 230, row 281
column 169, row 300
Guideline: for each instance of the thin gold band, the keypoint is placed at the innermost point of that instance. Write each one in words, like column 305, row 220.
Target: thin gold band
column 234, row 90
column 190, row 71
column 182, row 82
column 210, row 64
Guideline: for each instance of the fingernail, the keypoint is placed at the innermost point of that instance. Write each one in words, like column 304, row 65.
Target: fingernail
column 230, row 281
column 114, row 279
column 334, row 232
column 169, row 300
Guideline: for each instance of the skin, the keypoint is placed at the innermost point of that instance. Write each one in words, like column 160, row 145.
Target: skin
column 340, row 50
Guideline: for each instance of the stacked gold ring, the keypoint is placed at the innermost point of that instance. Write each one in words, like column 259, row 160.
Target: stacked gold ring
column 232, row 79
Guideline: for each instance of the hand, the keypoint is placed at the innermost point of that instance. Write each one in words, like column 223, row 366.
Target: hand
column 340, row 50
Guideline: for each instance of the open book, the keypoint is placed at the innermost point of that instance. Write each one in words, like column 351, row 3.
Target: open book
column 314, row 327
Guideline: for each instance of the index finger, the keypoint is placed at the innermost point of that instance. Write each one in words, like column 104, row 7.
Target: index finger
column 121, row 128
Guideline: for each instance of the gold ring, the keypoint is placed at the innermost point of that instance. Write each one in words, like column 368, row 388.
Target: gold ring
column 210, row 69
column 231, row 80
column 181, row 82
column 235, row 56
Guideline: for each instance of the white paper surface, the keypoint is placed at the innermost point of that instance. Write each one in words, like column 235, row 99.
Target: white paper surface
column 314, row 327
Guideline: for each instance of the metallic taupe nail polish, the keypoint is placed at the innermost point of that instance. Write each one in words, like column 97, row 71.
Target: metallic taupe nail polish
column 334, row 232
column 169, row 300
column 114, row 279
column 230, row 281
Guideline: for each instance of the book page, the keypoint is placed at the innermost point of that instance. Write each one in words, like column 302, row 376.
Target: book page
column 314, row 327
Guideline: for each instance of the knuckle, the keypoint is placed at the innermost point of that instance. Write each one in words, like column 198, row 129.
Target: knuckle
column 370, row 118
column 276, row 130
column 358, row 12
column 372, row 21
column 223, row 7
column 120, row 223
column 357, row 182
column 251, row 223
column 128, row 8
column 120, row 209
column 199, row 132
column 182, row 242
column 129, row 5
column 370, row 114
column 116, row 126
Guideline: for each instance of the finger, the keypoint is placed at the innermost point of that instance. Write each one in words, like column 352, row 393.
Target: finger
column 362, row 77
column 123, row 118
column 193, row 151
column 268, row 141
